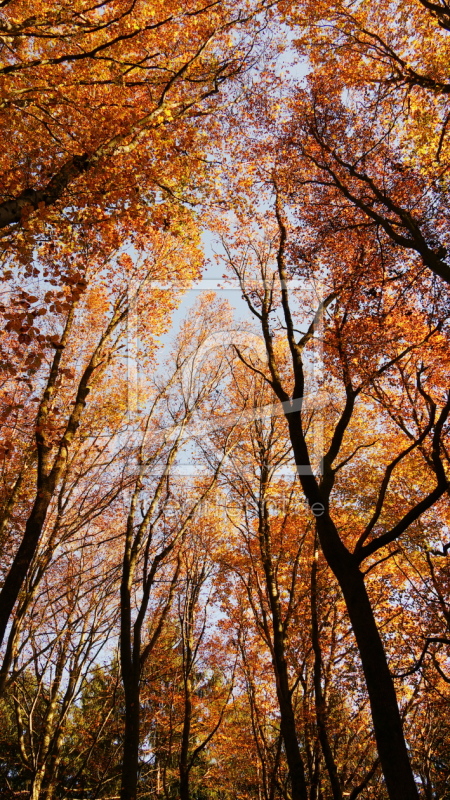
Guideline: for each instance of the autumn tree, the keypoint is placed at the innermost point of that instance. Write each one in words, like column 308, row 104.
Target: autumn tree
column 200, row 681
column 97, row 89
column 69, row 622
column 282, row 605
column 357, row 378
column 276, row 623
column 161, row 511
column 85, row 348
column 371, row 125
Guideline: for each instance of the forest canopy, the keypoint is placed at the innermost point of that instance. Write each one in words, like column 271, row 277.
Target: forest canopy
column 224, row 523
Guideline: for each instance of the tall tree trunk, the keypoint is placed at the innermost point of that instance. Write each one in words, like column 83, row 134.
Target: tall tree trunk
column 386, row 718
column 193, row 586
column 289, row 734
column 130, row 763
column 383, row 701
column 287, row 717
column 16, row 576
column 35, row 790
column 184, row 752
column 129, row 655
column 319, row 696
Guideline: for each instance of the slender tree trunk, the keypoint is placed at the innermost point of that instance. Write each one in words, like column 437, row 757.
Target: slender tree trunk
column 184, row 752
column 287, row 717
column 158, row 778
column 289, row 734
column 130, row 678
column 187, row 624
column 319, row 697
